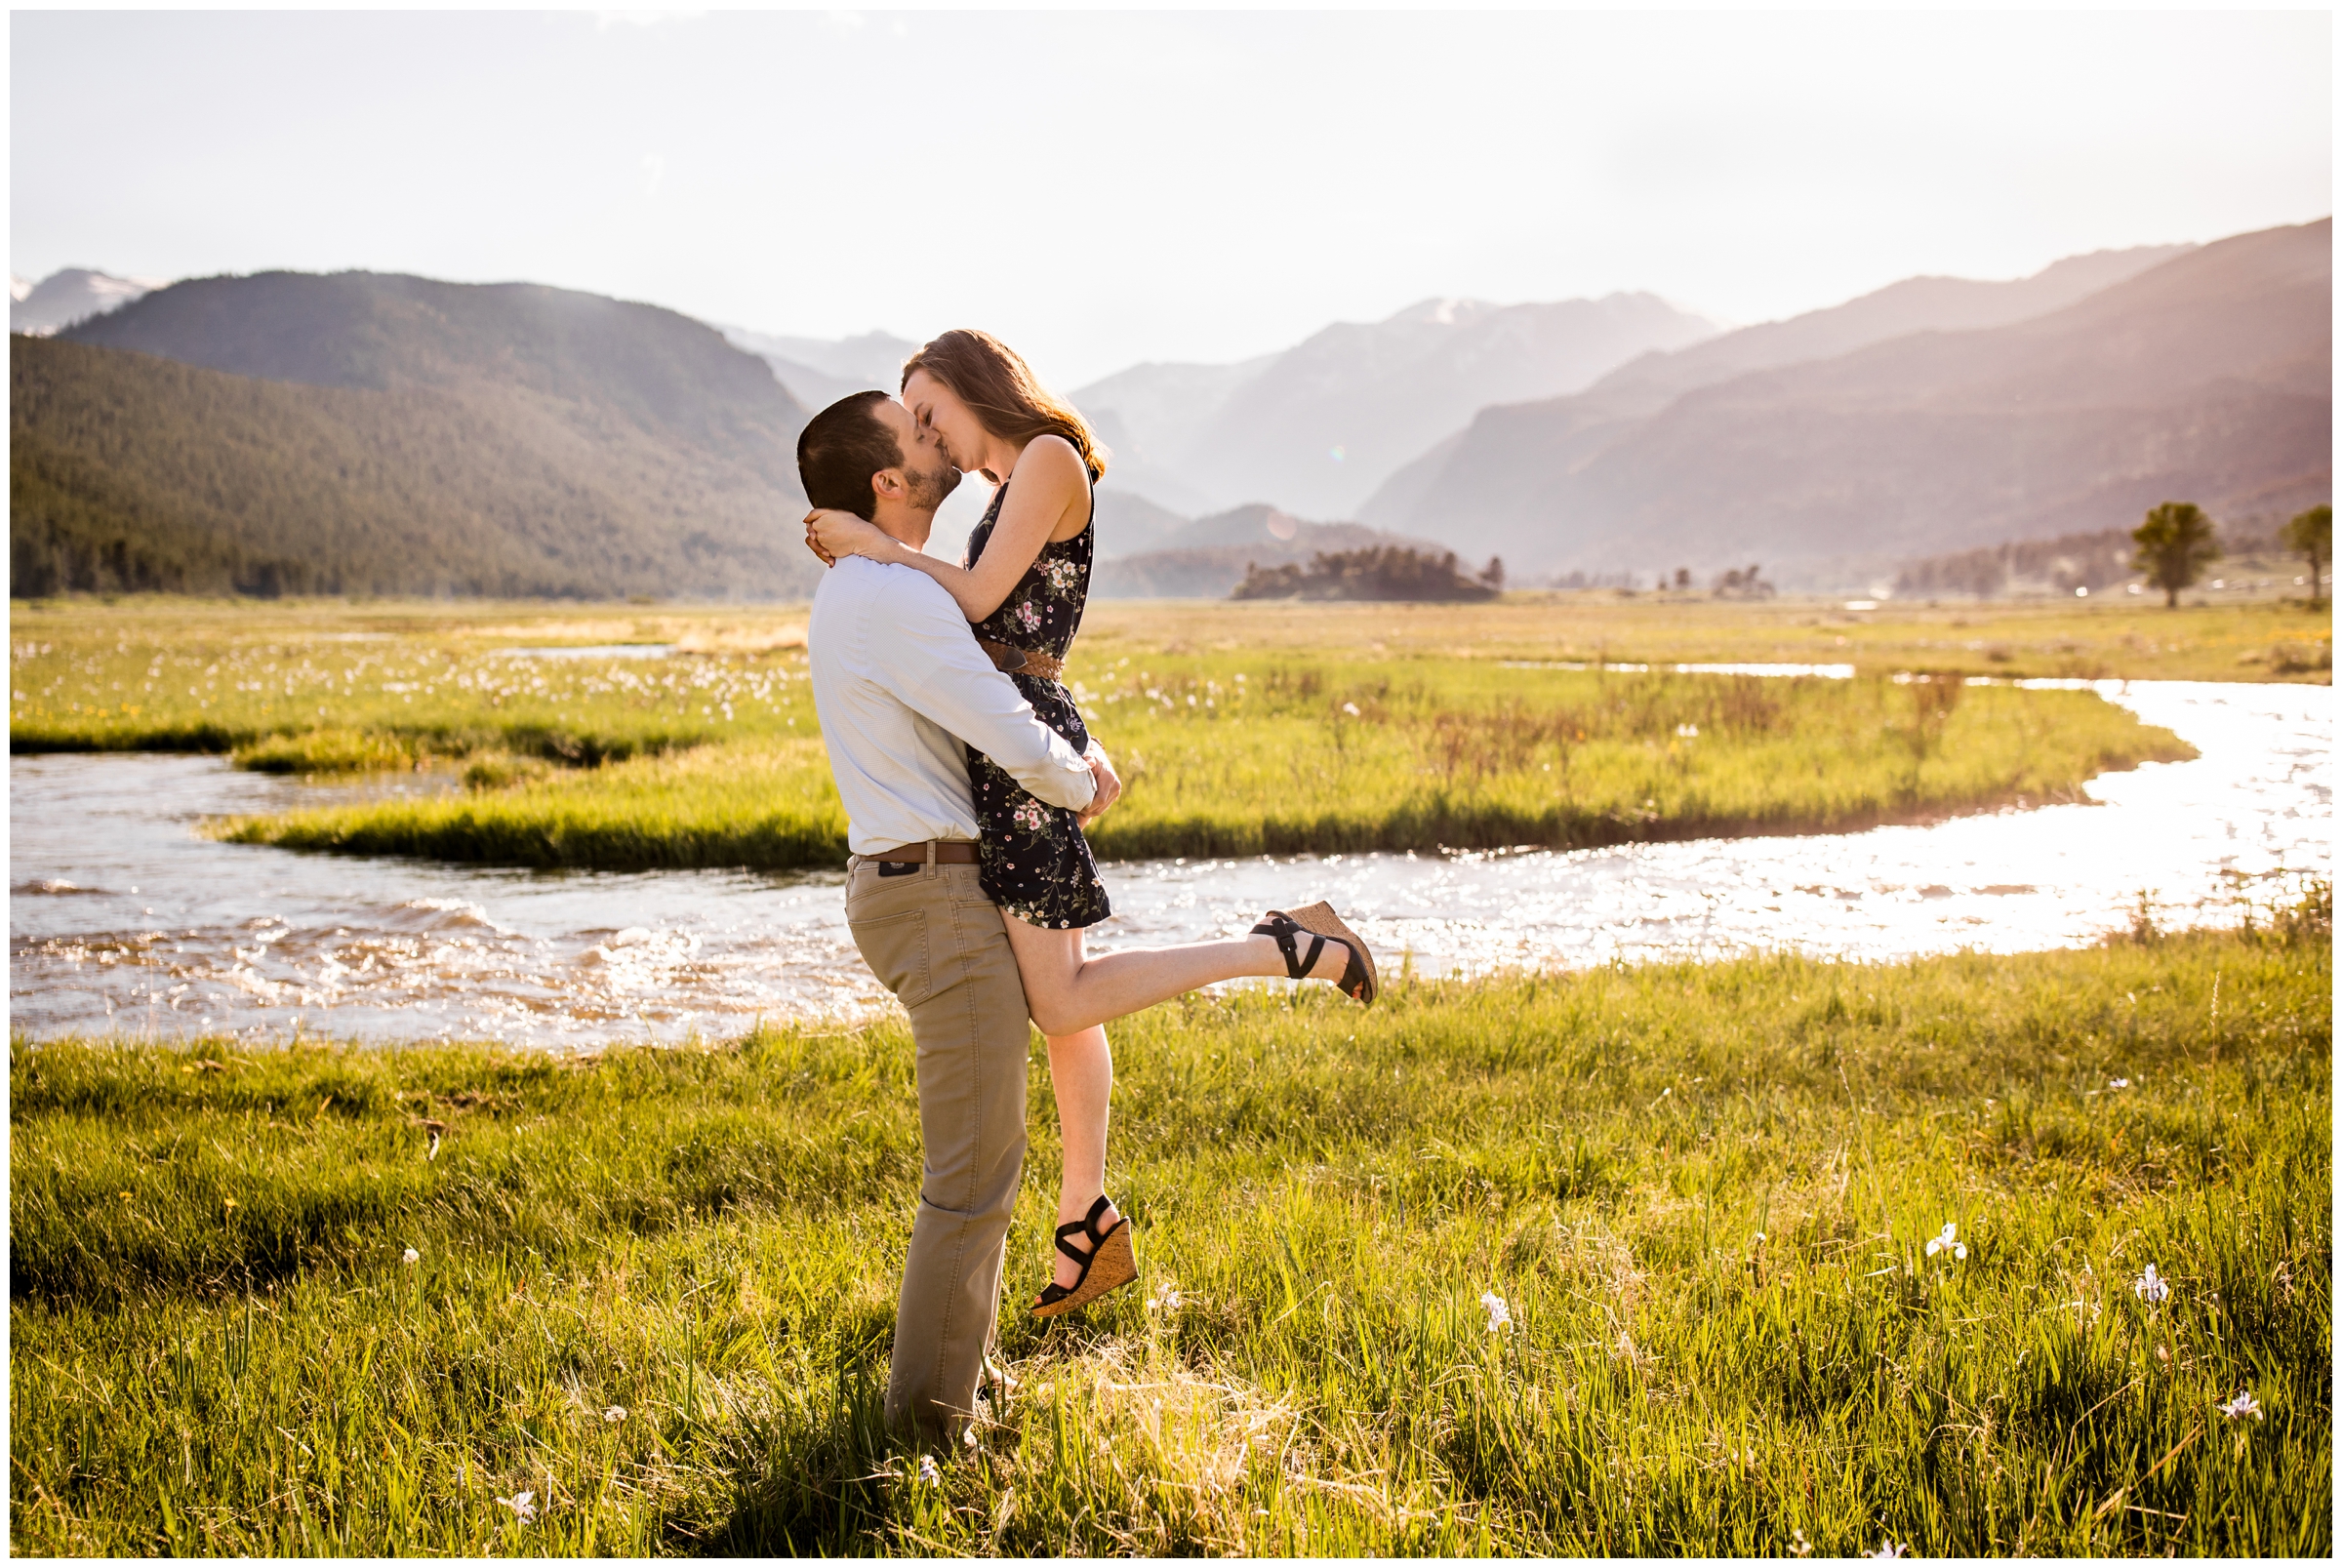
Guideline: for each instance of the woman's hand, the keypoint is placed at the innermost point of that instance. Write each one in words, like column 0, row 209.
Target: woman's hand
column 1110, row 785
column 833, row 534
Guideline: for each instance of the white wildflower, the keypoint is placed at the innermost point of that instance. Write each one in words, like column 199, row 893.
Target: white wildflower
column 1351, row 708
column 2118, row 1083
column 614, row 1414
column 1499, row 1316
column 1165, row 1301
column 2243, row 1404
column 1889, row 1549
column 2151, row 1287
column 1798, row 1545
column 523, row 1506
column 413, row 1256
column 1949, row 1242
column 928, row 1471
column 1687, row 731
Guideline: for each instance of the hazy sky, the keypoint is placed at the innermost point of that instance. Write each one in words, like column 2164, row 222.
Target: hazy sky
column 1102, row 189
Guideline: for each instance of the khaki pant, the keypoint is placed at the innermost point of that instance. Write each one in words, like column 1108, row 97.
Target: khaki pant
column 935, row 940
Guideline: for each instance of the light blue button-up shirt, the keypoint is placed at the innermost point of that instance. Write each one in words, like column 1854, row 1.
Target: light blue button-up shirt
column 898, row 683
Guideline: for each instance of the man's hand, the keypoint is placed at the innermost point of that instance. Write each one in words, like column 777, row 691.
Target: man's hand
column 813, row 538
column 1110, row 785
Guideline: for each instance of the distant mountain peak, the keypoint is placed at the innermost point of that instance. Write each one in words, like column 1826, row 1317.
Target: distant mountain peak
column 1318, row 425
column 70, row 294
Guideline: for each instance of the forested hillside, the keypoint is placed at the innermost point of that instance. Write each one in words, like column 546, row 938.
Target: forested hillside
column 367, row 434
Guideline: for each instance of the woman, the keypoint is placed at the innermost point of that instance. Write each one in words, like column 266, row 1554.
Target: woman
column 1024, row 586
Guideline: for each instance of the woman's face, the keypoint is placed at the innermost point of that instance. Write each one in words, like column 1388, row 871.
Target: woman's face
column 940, row 414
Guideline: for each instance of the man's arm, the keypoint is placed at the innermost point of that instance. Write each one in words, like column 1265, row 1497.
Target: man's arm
column 929, row 658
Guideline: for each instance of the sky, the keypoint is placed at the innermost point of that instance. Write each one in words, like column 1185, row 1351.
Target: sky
column 1102, row 189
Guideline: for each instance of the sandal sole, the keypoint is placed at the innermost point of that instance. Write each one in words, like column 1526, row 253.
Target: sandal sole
column 1116, row 1265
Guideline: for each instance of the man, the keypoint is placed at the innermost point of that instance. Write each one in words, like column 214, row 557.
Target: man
column 899, row 682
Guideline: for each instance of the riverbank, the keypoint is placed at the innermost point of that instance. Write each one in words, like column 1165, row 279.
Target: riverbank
column 651, row 1288
column 630, row 737
column 1305, row 756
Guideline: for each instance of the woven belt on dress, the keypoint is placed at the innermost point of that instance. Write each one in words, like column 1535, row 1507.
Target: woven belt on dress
column 1021, row 661
column 941, row 851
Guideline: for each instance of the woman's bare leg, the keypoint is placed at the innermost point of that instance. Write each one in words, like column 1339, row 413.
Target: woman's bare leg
column 1071, row 996
column 1069, row 992
column 1081, row 1070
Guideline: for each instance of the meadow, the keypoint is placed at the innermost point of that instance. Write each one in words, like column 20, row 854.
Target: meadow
column 1240, row 729
column 1641, row 1259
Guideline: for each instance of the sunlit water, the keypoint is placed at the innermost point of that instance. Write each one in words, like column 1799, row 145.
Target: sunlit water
column 122, row 917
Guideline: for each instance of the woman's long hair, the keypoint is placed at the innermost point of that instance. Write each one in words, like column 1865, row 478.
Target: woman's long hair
column 1000, row 391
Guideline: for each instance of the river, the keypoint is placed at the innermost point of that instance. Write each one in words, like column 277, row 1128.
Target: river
column 123, row 918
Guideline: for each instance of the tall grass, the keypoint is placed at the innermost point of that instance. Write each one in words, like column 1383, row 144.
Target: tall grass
column 1701, row 1191
column 1224, row 756
column 176, row 674
column 326, row 688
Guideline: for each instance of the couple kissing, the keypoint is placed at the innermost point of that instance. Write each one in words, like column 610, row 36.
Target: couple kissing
column 967, row 777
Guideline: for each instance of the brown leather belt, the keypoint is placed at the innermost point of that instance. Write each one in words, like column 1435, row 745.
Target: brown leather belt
column 1021, row 661
column 946, row 852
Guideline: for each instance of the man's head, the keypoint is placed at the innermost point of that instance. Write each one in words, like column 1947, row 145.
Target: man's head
column 865, row 455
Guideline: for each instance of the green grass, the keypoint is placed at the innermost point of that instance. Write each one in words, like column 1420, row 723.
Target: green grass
column 1294, row 754
column 1701, row 1189
column 163, row 673
column 323, row 687
column 2226, row 639
column 1240, row 729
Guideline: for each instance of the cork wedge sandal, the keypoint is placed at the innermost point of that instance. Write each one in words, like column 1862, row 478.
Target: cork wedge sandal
column 1109, row 1264
column 1359, row 981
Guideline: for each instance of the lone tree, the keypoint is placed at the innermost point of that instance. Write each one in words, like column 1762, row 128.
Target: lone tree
column 2313, row 535
column 2175, row 545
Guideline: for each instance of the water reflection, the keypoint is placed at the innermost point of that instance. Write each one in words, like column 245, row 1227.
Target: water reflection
column 122, row 918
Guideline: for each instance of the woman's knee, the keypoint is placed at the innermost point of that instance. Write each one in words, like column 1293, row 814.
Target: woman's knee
column 1049, row 965
column 1053, row 1013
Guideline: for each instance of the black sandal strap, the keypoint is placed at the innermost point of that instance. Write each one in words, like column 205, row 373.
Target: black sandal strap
column 1087, row 1225
column 1283, row 928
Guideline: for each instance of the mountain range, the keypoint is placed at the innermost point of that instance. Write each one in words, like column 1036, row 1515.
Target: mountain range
column 1925, row 420
column 363, row 432
column 1317, row 426
column 818, row 371
column 373, row 432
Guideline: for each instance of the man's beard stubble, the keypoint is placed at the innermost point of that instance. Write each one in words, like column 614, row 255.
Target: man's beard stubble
column 928, row 490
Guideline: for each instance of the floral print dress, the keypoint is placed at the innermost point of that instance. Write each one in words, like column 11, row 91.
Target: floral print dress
column 1032, row 861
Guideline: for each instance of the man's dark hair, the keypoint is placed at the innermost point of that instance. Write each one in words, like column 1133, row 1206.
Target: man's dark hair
column 840, row 449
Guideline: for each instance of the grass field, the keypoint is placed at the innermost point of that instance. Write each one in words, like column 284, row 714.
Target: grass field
column 1297, row 753
column 1293, row 737
column 650, row 1290
column 180, row 674
column 2095, row 640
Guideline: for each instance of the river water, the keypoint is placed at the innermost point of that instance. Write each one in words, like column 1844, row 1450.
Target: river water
column 123, row 918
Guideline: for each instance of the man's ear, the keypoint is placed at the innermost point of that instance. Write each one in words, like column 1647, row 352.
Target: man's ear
column 889, row 484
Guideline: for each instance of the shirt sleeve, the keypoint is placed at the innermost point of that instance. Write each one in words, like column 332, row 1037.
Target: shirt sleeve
column 929, row 658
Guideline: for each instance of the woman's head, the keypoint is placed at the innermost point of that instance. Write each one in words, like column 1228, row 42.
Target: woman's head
column 968, row 385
